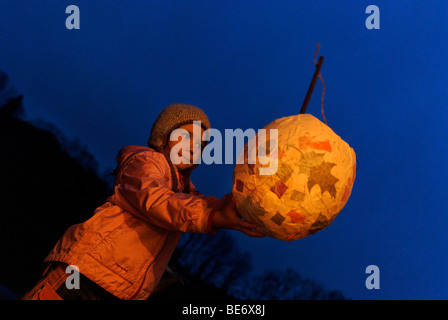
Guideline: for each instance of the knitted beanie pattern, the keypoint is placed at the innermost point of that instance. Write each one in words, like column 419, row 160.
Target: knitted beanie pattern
column 172, row 117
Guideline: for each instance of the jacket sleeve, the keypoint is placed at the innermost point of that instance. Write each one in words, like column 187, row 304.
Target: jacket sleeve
column 211, row 202
column 143, row 190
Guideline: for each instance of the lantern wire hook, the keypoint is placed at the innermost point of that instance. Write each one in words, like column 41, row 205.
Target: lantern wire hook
column 316, row 75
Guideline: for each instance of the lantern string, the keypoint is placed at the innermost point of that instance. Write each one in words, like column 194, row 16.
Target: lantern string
column 323, row 84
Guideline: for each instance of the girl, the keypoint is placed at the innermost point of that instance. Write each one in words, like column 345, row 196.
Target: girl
column 123, row 250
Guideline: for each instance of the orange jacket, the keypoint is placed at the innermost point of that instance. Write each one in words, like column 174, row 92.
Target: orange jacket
column 126, row 245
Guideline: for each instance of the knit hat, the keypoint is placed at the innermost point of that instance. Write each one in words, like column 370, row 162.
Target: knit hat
column 172, row 117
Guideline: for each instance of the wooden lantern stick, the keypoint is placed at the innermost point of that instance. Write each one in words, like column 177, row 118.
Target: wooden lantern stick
column 313, row 83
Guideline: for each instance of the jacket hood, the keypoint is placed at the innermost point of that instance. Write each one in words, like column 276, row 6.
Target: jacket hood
column 126, row 152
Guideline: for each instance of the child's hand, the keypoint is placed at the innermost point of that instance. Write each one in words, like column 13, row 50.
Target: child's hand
column 227, row 216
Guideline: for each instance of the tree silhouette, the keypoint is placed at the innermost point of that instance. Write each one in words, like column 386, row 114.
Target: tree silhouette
column 43, row 191
column 219, row 261
column 11, row 103
column 285, row 284
column 73, row 147
column 215, row 259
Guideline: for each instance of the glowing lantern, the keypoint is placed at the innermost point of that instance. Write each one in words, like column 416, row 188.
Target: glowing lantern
column 313, row 171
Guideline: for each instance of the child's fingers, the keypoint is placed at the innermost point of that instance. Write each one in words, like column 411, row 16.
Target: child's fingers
column 249, row 229
column 247, row 225
column 253, row 233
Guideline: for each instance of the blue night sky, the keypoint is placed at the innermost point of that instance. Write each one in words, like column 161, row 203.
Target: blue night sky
column 247, row 63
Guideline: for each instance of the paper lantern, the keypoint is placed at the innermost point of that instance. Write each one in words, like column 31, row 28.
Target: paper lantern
column 311, row 179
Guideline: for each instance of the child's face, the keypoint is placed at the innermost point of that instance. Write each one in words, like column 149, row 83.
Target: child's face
column 189, row 146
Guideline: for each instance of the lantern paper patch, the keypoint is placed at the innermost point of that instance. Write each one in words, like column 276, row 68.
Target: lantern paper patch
column 309, row 181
